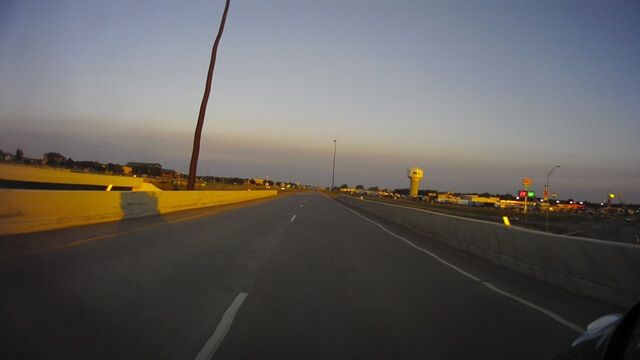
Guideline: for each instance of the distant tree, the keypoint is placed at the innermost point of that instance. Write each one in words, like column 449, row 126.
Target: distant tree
column 115, row 168
column 359, row 187
column 53, row 159
column 19, row 155
column 141, row 170
column 236, row 180
column 147, row 170
column 506, row 196
column 88, row 165
column 69, row 163
column 344, row 186
column 401, row 191
column 373, row 188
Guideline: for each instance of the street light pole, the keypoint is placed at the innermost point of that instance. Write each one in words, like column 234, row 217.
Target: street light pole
column 546, row 223
column 193, row 165
column 333, row 175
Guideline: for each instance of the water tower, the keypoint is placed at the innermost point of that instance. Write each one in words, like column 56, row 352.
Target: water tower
column 415, row 174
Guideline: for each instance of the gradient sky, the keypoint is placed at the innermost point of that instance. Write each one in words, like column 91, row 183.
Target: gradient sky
column 479, row 94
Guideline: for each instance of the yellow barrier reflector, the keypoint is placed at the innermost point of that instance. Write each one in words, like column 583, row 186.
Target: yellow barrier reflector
column 506, row 221
column 109, row 187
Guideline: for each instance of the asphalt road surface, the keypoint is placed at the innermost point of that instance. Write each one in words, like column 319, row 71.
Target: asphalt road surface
column 296, row 277
column 618, row 229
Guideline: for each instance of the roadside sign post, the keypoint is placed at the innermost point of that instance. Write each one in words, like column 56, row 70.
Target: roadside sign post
column 546, row 198
column 526, row 182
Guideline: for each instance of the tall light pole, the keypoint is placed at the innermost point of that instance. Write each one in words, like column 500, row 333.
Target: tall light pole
column 333, row 175
column 193, row 165
column 546, row 223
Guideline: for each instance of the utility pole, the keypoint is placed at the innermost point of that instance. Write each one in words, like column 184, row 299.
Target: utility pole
column 526, row 182
column 546, row 195
column 333, row 175
column 203, row 106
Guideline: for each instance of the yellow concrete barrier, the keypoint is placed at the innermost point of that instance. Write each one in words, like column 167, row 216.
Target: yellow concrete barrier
column 65, row 176
column 24, row 211
column 170, row 201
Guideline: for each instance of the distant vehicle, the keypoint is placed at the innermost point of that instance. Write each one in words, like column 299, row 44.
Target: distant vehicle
column 628, row 220
column 609, row 337
column 514, row 218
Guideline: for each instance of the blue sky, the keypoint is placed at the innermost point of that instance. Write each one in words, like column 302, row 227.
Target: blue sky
column 479, row 94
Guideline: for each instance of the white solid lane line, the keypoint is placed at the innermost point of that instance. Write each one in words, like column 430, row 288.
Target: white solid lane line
column 293, row 218
column 531, row 305
column 223, row 327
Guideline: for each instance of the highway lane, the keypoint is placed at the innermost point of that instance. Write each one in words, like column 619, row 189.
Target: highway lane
column 339, row 287
column 154, row 293
column 321, row 282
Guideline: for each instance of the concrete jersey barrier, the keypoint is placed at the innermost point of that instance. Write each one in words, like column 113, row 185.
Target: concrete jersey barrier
column 12, row 172
column 25, row 211
column 605, row 270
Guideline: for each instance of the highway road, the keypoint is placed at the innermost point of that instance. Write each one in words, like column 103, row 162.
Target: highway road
column 618, row 229
column 298, row 276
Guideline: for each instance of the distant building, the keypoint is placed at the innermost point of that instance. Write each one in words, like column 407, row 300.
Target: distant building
column 571, row 206
column 349, row 190
column 168, row 173
column 448, row 198
column 475, row 200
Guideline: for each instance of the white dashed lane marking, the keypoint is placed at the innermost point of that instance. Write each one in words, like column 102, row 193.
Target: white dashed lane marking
column 223, row 327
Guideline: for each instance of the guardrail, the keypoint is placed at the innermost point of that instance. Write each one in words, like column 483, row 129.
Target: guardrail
column 605, row 270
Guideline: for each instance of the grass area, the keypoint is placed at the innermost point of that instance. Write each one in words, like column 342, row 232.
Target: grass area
column 330, row 194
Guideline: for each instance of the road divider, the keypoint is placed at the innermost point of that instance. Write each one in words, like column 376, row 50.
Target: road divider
column 25, row 211
column 605, row 270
